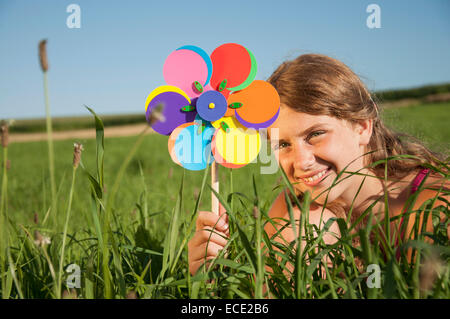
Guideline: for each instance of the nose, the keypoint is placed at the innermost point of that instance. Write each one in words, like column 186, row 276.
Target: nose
column 303, row 158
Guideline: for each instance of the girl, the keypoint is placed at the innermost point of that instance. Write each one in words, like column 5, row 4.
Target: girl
column 329, row 125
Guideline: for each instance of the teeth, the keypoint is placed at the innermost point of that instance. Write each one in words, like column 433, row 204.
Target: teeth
column 315, row 177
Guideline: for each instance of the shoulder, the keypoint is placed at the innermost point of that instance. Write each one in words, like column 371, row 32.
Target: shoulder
column 276, row 213
column 437, row 181
column 435, row 186
column 278, row 205
column 434, row 190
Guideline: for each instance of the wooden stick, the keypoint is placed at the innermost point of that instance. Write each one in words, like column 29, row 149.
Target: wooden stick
column 215, row 186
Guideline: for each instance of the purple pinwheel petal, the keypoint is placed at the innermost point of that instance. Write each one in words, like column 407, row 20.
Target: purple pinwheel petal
column 257, row 126
column 173, row 116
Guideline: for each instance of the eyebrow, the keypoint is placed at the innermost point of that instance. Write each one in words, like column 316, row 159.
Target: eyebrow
column 312, row 128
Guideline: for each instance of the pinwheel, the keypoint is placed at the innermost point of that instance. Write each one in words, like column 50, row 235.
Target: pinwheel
column 212, row 108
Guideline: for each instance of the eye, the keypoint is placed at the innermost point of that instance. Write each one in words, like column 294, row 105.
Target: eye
column 314, row 134
column 281, row 145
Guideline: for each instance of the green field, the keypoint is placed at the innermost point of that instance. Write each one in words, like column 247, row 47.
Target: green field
column 428, row 122
column 28, row 177
column 74, row 123
column 29, row 169
column 150, row 212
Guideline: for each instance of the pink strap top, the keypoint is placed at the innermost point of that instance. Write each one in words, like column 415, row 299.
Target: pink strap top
column 414, row 186
column 419, row 178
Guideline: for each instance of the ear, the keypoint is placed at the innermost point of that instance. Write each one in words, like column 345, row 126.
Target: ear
column 364, row 129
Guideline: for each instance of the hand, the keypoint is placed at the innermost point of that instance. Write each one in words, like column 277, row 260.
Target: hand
column 210, row 238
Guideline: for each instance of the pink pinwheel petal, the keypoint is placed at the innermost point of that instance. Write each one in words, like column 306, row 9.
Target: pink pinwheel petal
column 182, row 68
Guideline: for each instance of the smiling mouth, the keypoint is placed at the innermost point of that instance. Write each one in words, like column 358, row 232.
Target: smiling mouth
column 316, row 179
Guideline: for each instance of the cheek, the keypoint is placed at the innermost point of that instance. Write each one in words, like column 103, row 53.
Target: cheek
column 340, row 149
column 277, row 156
column 286, row 162
column 283, row 161
column 329, row 150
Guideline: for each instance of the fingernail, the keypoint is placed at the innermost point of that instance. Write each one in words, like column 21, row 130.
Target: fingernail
column 223, row 225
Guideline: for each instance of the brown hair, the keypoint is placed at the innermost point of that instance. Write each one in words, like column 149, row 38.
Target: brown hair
column 319, row 85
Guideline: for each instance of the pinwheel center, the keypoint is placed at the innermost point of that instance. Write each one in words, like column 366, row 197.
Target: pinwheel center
column 211, row 105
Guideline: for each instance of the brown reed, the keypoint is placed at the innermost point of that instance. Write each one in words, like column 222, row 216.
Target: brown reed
column 5, row 134
column 43, row 55
column 157, row 115
column 77, row 148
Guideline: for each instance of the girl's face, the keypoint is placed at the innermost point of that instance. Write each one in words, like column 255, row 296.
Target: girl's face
column 313, row 149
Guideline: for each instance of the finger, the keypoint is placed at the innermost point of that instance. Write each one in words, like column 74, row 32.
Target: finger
column 210, row 234
column 207, row 235
column 196, row 265
column 222, row 209
column 223, row 212
column 212, row 220
column 205, row 250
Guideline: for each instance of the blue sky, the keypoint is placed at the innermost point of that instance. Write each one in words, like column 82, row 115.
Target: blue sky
column 115, row 59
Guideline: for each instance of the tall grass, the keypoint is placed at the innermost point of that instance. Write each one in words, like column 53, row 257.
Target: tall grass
column 77, row 157
column 121, row 257
column 51, row 153
column 4, row 236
